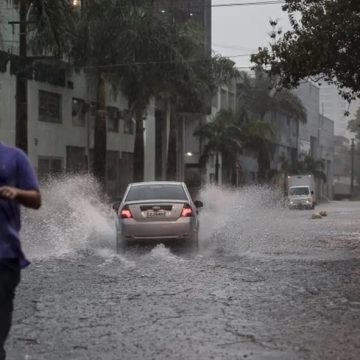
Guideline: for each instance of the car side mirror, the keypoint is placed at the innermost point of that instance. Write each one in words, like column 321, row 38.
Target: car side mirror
column 312, row 192
column 116, row 206
column 198, row 203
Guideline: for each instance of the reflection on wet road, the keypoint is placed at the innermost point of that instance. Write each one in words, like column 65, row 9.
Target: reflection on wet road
column 268, row 283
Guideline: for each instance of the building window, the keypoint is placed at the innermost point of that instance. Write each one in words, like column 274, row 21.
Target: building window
column 78, row 112
column 113, row 119
column 49, row 166
column 76, row 159
column 49, row 107
column 128, row 123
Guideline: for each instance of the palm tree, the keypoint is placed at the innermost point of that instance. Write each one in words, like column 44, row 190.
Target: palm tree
column 148, row 56
column 256, row 135
column 190, row 91
column 95, row 47
column 258, row 98
column 309, row 165
column 44, row 23
column 221, row 136
column 161, row 61
column 155, row 48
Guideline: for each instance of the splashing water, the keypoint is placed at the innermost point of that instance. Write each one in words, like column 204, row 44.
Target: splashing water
column 73, row 217
column 240, row 220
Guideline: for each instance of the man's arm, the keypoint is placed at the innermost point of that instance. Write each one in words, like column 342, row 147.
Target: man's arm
column 28, row 198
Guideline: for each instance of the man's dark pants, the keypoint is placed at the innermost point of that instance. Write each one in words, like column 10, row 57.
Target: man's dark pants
column 9, row 279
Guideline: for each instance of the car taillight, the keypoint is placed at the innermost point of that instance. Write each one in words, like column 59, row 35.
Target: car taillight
column 125, row 213
column 186, row 211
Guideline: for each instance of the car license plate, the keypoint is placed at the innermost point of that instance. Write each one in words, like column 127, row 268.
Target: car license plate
column 156, row 213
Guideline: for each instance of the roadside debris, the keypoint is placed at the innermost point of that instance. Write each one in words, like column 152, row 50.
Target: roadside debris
column 319, row 215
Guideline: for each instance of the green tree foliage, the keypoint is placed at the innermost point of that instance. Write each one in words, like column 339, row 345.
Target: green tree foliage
column 227, row 134
column 256, row 99
column 249, row 128
column 257, row 135
column 324, row 43
column 258, row 96
column 132, row 46
column 192, row 90
column 146, row 57
column 306, row 165
column 222, row 137
column 48, row 25
column 354, row 125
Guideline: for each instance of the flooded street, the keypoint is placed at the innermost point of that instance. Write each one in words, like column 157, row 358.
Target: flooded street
column 268, row 283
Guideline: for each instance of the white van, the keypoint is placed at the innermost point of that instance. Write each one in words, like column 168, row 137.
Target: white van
column 301, row 191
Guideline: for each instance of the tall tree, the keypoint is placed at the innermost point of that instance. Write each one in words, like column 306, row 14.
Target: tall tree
column 192, row 90
column 256, row 99
column 311, row 166
column 221, row 136
column 139, row 53
column 256, row 135
column 324, row 42
column 354, row 125
column 162, row 61
column 43, row 22
column 95, row 48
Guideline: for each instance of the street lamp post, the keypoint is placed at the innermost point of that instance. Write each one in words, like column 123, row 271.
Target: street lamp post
column 21, row 133
column 352, row 168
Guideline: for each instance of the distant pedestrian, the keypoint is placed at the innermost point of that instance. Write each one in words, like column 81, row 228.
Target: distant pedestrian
column 18, row 186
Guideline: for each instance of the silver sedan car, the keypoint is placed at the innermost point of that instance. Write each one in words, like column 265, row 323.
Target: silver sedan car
column 157, row 211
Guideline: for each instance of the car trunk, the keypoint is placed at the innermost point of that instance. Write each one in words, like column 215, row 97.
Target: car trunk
column 156, row 211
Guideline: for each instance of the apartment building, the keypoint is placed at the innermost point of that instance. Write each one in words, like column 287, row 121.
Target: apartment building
column 316, row 136
column 61, row 113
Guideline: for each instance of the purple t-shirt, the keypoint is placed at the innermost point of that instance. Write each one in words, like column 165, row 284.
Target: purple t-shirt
column 17, row 171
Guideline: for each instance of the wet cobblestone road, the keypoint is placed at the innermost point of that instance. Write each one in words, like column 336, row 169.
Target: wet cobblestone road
column 289, row 289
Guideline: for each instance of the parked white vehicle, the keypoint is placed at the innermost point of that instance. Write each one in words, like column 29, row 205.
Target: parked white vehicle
column 301, row 191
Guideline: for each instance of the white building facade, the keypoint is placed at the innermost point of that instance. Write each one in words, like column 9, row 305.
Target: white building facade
column 61, row 112
column 316, row 136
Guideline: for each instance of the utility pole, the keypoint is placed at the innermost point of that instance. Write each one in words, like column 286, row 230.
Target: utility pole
column 21, row 125
column 352, row 168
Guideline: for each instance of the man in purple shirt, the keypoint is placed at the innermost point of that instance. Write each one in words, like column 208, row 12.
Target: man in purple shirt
column 18, row 186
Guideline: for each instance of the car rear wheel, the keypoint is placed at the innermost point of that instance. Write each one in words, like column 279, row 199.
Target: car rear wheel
column 121, row 244
column 192, row 245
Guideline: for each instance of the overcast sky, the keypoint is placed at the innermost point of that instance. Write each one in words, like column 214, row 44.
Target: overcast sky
column 239, row 30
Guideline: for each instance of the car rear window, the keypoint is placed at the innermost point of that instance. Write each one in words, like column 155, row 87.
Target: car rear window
column 154, row 192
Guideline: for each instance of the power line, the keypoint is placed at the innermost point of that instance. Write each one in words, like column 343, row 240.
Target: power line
column 143, row 63
column 254, row 3
column 233, row 47
column 274, row 2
